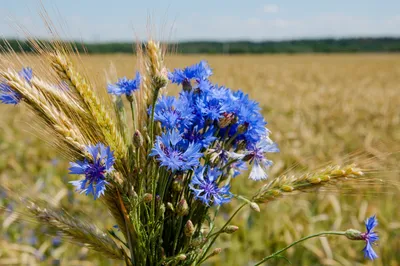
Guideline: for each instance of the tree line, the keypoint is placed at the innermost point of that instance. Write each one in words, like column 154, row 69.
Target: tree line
column 348, row 45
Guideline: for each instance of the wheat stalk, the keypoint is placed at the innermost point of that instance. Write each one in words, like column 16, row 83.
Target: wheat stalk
column 78, row 231
column 53, row 117
column 66, row 71
column 287, row 184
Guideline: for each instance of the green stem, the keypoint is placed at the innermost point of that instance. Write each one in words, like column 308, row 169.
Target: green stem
column 133, row 114
column 219, row 232
column 342, row 233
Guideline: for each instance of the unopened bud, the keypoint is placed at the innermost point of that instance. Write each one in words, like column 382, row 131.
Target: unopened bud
column 181, row 257
column 182, row 209
column 137, row 139
column 147, row 197
column 230, row 229
column 226, row 120
column 353, row 234
column 254, row 206
column 216, row 252
column 189, row 228
column 170, row 206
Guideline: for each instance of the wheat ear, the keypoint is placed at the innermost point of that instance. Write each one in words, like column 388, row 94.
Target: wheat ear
column 66, row 71
column 78, row 231
column 287, row 184
column 53, row 117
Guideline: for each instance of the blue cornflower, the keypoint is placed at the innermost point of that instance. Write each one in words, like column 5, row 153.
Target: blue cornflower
column 8, row 95
column 205, row 187
column 174, row 153
column 255, row 155
column 370, row 237
column 125, row 86
column 172, row 113
column 197, row 72
column 95, row 170
column 196, row 134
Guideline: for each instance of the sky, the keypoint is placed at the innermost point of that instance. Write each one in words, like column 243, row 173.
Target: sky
column 221, row 20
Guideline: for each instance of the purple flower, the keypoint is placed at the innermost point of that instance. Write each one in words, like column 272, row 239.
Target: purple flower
column 95, row 170
column 370, row 237
column 205, row 187
column 174, row 153
column 125, row 86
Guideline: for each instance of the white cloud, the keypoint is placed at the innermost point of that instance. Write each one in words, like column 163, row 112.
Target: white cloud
column 271, row 8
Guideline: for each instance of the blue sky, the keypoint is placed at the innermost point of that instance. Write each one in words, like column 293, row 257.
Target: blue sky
column 117, row 20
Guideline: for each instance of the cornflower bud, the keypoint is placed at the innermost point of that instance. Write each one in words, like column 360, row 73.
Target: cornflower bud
column 189, row 228
column 254, row 206
column 226, row 120
column 147, row 197
column 353, row 234
column 181, row 257
column 230, row 229
column 216, row 252
column 170, row 206
column 182, row 209
column 137, row 139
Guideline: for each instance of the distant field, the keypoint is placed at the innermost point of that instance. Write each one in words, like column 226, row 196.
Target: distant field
column 319, row 108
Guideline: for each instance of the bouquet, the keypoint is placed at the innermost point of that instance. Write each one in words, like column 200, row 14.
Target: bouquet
column 162, row 165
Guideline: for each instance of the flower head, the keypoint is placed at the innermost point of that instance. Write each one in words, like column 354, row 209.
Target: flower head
column 125, row 86
column 370, row 237
column 94, row 169
column 7, row 94
column 197, row 72
column 255, row 155
column 172, row 113
column 205, row 187
column 174, row 153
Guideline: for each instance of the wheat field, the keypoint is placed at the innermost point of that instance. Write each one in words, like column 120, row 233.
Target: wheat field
column 320, row 108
